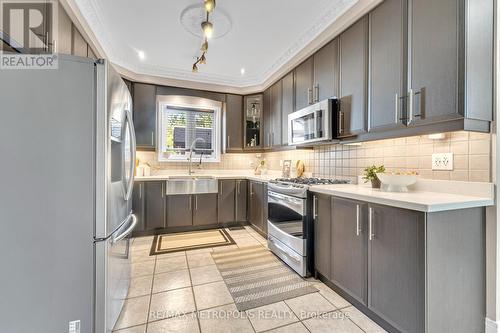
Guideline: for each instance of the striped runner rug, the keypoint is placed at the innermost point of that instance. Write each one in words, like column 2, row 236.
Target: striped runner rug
column 256, row 277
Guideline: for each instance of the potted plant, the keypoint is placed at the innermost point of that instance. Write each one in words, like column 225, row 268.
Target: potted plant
column 371, row 175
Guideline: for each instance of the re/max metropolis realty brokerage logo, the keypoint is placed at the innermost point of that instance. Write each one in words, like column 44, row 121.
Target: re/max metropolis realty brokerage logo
column 28, row 31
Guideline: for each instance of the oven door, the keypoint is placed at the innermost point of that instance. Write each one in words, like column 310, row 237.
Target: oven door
column 286, row 221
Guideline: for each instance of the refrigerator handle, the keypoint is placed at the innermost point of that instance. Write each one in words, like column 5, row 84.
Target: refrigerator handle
column 130, row 124
column 128, row 230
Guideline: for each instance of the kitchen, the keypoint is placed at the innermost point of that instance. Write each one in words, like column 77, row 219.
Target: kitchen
column 344, row 184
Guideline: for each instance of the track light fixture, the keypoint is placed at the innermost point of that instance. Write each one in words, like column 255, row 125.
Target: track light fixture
column 208, row 29
column 204, row 46
column 209, row 5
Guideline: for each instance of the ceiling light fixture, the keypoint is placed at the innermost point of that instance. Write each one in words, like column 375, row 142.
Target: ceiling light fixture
column 242, row 71
column 209, row 5
column 208, row 29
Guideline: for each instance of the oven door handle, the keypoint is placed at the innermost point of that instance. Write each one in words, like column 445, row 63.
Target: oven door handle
column 296, row 206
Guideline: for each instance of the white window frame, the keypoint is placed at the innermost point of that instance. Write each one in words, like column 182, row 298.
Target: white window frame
column 194, row 103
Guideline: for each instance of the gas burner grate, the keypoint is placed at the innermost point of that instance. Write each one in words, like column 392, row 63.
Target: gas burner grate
column 313, row 181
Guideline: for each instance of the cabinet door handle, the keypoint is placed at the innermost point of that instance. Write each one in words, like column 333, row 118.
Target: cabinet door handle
column 341, row 122
column 316, row 92
column 251, row 189
column 195, row 202
column 152, row 138
column 140, row 191
column 162, row 189
column 396, row 106
column 310, row 96
column 190, row 200
column 238, row 186
column 315, row 201
column 371, row 234
column 358, row 226
column 228, row 145
column 411, row 94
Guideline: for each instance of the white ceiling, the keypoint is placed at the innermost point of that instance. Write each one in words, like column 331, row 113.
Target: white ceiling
column 265, row 35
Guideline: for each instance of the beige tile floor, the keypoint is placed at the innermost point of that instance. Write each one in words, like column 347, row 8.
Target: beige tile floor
column 183, row 292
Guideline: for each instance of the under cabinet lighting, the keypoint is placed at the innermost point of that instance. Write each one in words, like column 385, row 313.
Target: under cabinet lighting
column 437, row 136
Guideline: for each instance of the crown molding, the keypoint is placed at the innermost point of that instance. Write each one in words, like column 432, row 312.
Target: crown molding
column 85, row 14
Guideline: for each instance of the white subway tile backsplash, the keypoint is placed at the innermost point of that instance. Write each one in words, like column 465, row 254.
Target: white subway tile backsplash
column 472, row 158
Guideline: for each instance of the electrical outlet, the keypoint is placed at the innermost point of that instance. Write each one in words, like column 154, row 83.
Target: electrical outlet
column 74, row 326
column 442, row 161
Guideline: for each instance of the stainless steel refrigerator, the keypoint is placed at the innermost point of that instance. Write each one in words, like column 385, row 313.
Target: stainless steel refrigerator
column 67, row 148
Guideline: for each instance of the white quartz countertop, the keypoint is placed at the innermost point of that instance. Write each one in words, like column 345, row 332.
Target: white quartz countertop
column 225, row 175
column 419, row 200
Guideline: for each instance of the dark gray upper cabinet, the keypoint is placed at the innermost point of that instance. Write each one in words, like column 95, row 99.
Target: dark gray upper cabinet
column 349, row 247
column 155, row 206
column 434, row 46
column 145, row 115
column 322, row 233
column 253, row 121
column 304, row 84
column 387, row 86
column 179, row 211
column 234, row 123
column 276, row 104
column 267, row 119
column 241, row 200
column 205, row 209
column 226, row 202
column 451, row 57
column 396, row 250
column 326, row 71
column 138, row 206
column 353, row 79
column 256, row 205
column 287, row 105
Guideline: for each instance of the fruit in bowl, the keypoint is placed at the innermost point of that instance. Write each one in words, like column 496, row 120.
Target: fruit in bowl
column 397, row 181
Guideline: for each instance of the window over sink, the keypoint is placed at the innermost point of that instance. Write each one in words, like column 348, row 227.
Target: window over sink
column 184, row 119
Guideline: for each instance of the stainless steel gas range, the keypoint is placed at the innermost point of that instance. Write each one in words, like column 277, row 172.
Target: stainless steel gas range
column 290, row 221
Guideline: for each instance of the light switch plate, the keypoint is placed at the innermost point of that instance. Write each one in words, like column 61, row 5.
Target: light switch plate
column 443, row 161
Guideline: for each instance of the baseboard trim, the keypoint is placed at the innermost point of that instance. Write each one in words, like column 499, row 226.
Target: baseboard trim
column 492, row 326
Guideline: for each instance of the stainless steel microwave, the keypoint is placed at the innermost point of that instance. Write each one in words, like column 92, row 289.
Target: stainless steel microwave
column 313, row 123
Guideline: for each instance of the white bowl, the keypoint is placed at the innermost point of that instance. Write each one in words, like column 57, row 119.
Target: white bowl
column 396, row 183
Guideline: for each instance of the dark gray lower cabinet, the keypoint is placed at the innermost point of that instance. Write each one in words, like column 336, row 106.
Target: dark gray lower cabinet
column 155, row 205
column 138, row 205
column 241, row 200
column 322, row 234
column 256, row 205
column 396, row 266
column 348, row 266
column 226, row 202
column 179, row 211
column 205, row 209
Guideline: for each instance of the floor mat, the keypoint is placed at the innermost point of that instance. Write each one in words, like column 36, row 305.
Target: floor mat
column 256, row 277
column 192, row 240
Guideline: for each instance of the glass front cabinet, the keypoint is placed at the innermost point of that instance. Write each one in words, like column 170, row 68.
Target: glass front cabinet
column 253, row 121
